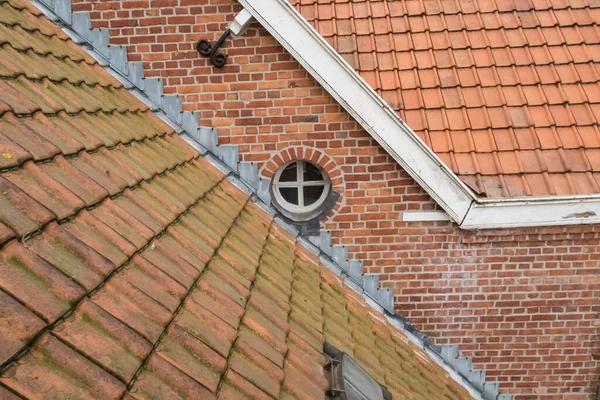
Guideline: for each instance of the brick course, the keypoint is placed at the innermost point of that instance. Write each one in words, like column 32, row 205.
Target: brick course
column 523, row 303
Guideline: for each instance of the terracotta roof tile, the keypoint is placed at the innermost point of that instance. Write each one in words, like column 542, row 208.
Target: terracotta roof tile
column 35, row 283
column 100, row 336
column 528, row 66
column 17, row 326
column 33, row 181
column 77, row 377
column 71, row 256
column 161, row 379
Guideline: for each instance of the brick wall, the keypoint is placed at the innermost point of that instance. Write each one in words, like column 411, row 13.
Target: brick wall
column 523, row 303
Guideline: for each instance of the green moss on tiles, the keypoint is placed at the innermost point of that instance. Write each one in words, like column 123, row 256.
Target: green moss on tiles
column 21, row 266
column 59, row 369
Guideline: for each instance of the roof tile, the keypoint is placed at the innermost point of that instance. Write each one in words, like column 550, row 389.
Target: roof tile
column 74, row 180
column 11, row 154
column 165, row 257
column 255, row 368
column 202, row 323
column 18, row 325
column 590, row 136
column 235, row 386
column 161, row 380
column 105, row 339
column 153, row 282
column 105, row 177
column 19, row 211
column 129, row 304
column 218, row 303
column 19, row 131
column 77, row 376
column 33, row 181
column 99, row 236
column 71, row 256
column 35, row 283
column 5, row 233
column 193, row 357
column 123, row 223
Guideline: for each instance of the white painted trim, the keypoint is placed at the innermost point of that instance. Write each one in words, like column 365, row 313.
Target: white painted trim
column 240, row 24
column 420, row 216
column 464, row 207
column 532, row 213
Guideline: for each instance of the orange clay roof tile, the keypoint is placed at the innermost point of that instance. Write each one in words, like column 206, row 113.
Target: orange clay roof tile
column 526, row 67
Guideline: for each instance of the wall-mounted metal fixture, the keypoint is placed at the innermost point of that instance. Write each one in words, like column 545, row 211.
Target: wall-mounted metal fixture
column 206, row 49
column 237, row 27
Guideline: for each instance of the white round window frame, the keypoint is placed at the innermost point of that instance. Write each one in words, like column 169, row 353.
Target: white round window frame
column 294, row 211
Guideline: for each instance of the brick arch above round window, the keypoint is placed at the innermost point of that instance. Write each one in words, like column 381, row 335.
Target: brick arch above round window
column 315, row 156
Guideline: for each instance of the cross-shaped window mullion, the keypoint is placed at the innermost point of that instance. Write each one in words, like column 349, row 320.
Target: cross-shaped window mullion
column 300, row 180
column 313, row 183
column 288, row 184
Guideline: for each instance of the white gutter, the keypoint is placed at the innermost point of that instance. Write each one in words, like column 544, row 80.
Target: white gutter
column 532, row 212
column 340, row 80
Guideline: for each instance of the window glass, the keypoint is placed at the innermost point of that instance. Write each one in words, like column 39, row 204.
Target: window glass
column 290, row 195
column 289, row 173
column 311, row 173
column 312, row 194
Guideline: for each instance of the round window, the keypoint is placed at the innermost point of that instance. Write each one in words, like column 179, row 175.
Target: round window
column 300, row 188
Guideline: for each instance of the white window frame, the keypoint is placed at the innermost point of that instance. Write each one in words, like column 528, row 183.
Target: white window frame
column 300, row 208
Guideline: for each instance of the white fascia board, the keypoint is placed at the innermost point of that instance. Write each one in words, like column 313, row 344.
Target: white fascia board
column 325, row 65
column 240, row 24
column 340, row 80
column 532, row 212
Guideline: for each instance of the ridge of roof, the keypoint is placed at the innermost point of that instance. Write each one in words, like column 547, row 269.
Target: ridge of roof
column 169, row 108
column 467, row 209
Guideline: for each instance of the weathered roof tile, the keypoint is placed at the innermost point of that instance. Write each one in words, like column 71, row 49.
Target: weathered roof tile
column 57, row 198
column 19, row 211
column 71, row 256
column 17, row 326
column 77, row 376
column 102, row 337
column 35, row 283
column 160, row 379
column 122, row 299
column 193, row 357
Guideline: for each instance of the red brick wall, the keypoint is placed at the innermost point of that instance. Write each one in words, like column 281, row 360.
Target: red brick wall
column 523, row 303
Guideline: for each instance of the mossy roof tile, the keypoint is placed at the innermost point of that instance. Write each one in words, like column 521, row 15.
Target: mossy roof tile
column 35, row 283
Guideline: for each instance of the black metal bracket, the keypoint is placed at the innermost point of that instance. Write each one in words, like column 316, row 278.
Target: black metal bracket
column 206, row 49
